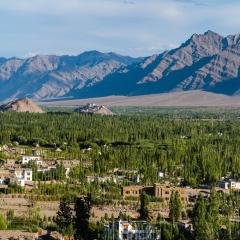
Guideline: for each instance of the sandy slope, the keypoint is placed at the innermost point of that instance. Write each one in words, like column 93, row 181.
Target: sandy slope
column 190, row 98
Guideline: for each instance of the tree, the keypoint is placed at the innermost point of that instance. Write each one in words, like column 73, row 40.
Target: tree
column 10, row 215
column 178, row 206
column 64, row 217
column 213, row 216
column 175, row 207
column 199, row 219
column 82, row 210
column 3, row 225
column 143, row 211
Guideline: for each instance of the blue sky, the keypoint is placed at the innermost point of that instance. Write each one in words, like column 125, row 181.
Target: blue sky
column 129, row 27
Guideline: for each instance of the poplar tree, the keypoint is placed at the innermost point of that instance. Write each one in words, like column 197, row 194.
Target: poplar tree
column 143, row 211
column 199, row 219
column 175, row 207
column 82, row 215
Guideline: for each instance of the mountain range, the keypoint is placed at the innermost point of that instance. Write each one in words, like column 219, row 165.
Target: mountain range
column 208, row 62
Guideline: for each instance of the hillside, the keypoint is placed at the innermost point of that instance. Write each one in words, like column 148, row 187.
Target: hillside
column 188, row 99
column 206, row 62
column 21, row 105
column 49, row 76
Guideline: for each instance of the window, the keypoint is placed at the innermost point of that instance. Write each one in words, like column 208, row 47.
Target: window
column 125, row 236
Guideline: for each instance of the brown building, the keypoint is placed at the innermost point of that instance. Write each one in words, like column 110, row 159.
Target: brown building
column 132, row 191
column 165, row 192
column 156, row 190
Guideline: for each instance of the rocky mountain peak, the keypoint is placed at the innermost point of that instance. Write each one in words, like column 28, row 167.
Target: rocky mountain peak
column 205, row 61
column 233, row 40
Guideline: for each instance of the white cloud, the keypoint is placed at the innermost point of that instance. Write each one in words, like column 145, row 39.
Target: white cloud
column 111, row 25
column 162, row 8
column 174, row 11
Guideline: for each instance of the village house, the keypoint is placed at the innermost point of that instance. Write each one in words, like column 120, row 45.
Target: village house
column 164, row 192
column 46, row 169
column 67, row 163
column 132, row 191
column 27, row 159
column 161, row 174
column 105, row 179
column 130, row 175
column 5, row 175
column 4, row 148
column 157, row 190
column 9, row 162
column 50, row 168
column 234, row 185
column 229, row 184
column 134, row 230
column 22, row 176
column 223, row 184
column 18, row 175
column 17, row 150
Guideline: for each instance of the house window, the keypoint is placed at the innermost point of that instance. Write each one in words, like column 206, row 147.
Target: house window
column 125, row 236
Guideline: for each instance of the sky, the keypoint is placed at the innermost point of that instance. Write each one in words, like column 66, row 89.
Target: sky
column 128, row 27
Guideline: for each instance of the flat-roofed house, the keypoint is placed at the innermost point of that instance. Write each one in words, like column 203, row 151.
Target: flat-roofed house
column 164, row 192
column 157, row 190
column 132, row 191
column 223, row 184
column 229, row 184
column 10, row 162
column 22, row 176
column 234, row 185
column 5, row 175
column 27, row 159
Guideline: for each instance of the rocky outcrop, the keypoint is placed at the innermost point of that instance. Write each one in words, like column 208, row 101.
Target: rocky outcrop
column 21, row 105
column 92, row 108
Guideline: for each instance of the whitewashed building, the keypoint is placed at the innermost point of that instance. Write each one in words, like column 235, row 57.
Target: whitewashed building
column 234, row 185
column 27, row 159
column 22, row 176
column 135, row 230
column 229, row 184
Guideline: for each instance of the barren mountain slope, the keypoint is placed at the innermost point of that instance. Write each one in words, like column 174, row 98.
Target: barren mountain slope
column 21, row 105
